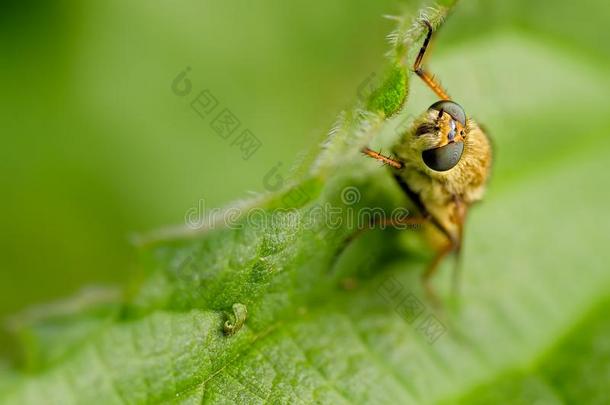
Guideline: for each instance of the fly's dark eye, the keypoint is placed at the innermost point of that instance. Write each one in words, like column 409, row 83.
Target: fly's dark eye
column 443, row 158
column 451, row 108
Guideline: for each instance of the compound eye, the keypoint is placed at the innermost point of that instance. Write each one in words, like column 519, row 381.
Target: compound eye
column 443, row 158
column 451, row 108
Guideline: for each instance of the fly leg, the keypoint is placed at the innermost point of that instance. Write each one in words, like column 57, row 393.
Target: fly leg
column 427, row 78
column 453, row 243
column 386, row 160
column 399, row 223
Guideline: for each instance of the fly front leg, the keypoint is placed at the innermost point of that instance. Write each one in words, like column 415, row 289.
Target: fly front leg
column 453, row 243
column 433, row 267
column 461, row 209
column 386, row 160
column 426, row 77
column 398, row 223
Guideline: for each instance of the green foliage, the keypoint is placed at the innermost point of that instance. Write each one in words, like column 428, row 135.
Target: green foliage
column 98, row 147
column 530, row 325
column 391, row 94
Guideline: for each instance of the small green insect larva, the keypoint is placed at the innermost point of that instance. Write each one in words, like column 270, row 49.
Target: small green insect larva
column 236, row 319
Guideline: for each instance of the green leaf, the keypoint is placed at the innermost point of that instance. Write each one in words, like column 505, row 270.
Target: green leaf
column 264, row 310
column 390, row 96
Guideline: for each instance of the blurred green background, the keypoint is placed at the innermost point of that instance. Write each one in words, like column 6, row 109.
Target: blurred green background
column 96, row 147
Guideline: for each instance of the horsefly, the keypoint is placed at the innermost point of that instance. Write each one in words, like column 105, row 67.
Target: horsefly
column 442, row 163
